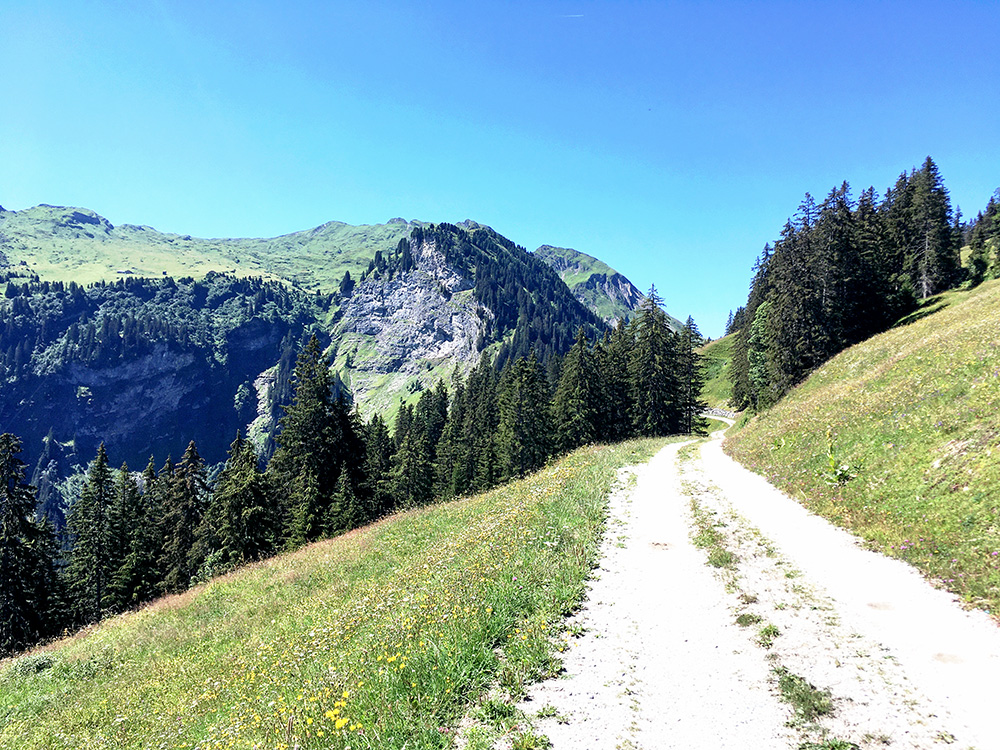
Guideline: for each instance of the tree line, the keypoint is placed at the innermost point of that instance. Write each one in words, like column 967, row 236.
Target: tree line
column 130, row 537
column 844, row 270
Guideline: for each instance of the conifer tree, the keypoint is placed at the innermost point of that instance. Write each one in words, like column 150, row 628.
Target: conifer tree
column 524, row 433
column 304, row 468
column 347, row 510
column 240, row 524
column 575, row 403
column 137, row 579
column 89, row 523
column 615, row 399
column 379, row 448
column 452, row 451
column 692, row 379
column 933, row 262
column 26, row 565
column 187, row 498
column 412, row 474
column 653, row 371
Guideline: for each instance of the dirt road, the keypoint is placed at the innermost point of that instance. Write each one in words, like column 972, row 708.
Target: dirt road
column 673, row 652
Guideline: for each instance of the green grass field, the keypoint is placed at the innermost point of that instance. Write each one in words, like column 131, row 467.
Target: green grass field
column 383, row 638
column 898, row 439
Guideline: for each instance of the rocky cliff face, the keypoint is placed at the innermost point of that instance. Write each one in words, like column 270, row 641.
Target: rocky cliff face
column 149, row 404
column 402, row 332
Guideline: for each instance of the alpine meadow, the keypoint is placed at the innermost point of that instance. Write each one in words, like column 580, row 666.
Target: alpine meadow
column 499, row 376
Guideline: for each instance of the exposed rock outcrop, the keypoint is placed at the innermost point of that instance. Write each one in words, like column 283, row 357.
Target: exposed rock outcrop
column 401, row 330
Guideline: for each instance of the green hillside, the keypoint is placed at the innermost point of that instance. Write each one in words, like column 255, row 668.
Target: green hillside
column 75, row 244
column 716, row 358
column 898, row 440
column 595, row 283
column 384, row 637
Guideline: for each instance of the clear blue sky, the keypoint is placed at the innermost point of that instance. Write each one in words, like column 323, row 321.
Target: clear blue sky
column 670, row 139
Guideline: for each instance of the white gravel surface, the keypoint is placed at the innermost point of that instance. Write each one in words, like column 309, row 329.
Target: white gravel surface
column 661, row 662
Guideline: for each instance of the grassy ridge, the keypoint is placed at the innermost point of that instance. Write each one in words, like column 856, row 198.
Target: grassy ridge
column 378, row 639
column 67, row 244
column 716, row 356
column 898, row 439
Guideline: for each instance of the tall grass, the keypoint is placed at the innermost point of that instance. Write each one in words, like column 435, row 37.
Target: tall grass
column 377, row 639
column 898, row 439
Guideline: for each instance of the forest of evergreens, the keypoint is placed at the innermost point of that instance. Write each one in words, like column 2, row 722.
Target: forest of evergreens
column 131, row 537
column 847, row 269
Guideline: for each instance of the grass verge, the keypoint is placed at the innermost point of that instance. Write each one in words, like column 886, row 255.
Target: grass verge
column 898, row 440
column 380, row 638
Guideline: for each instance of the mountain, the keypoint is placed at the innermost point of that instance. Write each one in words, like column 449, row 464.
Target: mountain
column 76, row 244
column 146, row 340
column 600, row 287
column 896, row 439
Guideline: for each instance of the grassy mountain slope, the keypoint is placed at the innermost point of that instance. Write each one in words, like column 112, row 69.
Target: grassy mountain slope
column 595, row 283
column 380, row 638
column 76, row 244
column 716, row 356
column 898, row 439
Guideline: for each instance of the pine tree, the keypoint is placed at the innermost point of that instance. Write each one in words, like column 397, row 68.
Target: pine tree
column 692, row 379
column 524, row 434
column 576, row 412
column 187, row 498
column 26, row 566
column 653, row 372
column 304, row 469
column 137, row 579
column 89, row 523
column 378, row 457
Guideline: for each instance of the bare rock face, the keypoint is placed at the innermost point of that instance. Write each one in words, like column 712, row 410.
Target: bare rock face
column 395, row 332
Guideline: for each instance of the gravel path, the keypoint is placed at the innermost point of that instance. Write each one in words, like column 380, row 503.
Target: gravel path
column 660, row 661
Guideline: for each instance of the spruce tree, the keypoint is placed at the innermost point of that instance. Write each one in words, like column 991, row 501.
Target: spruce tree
column 187, row 499
column 89, row 523
column 137, row 579
column 524, row 433
column 653, row 371
column 378, row 457
column 615, row 399
column 933, row 261
column 575, row 408
column 412, row 474
column 25, row 558
column 304, row 468
column 692, row 379
column 241, row 524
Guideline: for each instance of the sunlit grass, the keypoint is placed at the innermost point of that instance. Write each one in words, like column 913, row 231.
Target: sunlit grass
column 718, row 387
column 914, row 416
column 381, row 638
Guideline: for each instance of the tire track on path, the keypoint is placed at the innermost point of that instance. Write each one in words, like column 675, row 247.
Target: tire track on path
column 661, row 662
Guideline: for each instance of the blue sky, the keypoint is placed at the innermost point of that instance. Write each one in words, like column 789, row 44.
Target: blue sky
column 670, row 139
